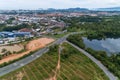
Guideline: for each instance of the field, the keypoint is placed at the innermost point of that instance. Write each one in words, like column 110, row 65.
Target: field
column 69, row 64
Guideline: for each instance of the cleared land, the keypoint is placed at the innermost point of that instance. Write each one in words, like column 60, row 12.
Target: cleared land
column 73, row 66
column 31, row 46
column 12, row 48
column 39, row 43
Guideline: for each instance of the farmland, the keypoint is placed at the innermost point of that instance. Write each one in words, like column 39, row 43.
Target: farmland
column 73, row 66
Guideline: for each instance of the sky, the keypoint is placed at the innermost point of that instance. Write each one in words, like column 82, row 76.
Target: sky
column 58, row 4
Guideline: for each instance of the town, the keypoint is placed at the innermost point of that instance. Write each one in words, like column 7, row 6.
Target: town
column 17, row 25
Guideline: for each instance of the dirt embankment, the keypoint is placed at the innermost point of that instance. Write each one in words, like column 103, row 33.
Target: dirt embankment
column 31, row 46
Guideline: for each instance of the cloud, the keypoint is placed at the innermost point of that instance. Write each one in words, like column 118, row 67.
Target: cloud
column 35, row 4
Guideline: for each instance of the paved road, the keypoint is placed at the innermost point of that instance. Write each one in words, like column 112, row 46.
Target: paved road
column 108, row 73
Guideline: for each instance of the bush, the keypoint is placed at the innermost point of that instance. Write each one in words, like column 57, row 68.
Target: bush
column 77, row 40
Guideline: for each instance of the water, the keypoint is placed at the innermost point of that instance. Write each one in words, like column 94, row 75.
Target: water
column 110, row 45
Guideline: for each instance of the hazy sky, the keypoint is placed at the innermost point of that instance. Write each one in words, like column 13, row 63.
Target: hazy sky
column 35, row 4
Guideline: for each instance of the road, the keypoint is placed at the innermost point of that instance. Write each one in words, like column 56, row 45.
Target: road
column 108, row 73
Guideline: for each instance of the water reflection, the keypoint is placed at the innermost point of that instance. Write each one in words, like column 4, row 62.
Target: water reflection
column 109, row 45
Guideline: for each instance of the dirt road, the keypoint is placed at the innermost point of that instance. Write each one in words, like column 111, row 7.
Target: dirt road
column 57, row 70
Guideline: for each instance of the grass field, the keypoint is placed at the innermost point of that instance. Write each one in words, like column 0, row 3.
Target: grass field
column 74, row 66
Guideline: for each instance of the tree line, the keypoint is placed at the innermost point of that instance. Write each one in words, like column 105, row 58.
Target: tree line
column 95, row 26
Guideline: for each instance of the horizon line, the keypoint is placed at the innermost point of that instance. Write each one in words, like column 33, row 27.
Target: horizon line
column 60, row 8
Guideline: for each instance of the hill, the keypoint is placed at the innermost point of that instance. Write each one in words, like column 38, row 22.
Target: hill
column 41, row 11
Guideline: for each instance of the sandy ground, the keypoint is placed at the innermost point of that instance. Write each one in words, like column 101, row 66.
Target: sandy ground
column 31, row 46
column 16, row 48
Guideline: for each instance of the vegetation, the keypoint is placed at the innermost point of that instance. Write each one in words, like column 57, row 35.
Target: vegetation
column 3, row 50
column 75, row 66
column 111, row 62
column 8, row 28
column 95, row 27
column 75, row 39
column 9, row 21
column 4, row 27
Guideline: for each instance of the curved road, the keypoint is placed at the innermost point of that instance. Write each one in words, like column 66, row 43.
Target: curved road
column 36, row 55
column 108, row 73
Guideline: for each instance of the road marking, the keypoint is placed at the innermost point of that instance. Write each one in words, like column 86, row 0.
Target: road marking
column 32, row 55
column 21, row 64
column 37, row 56
column 15, row 64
